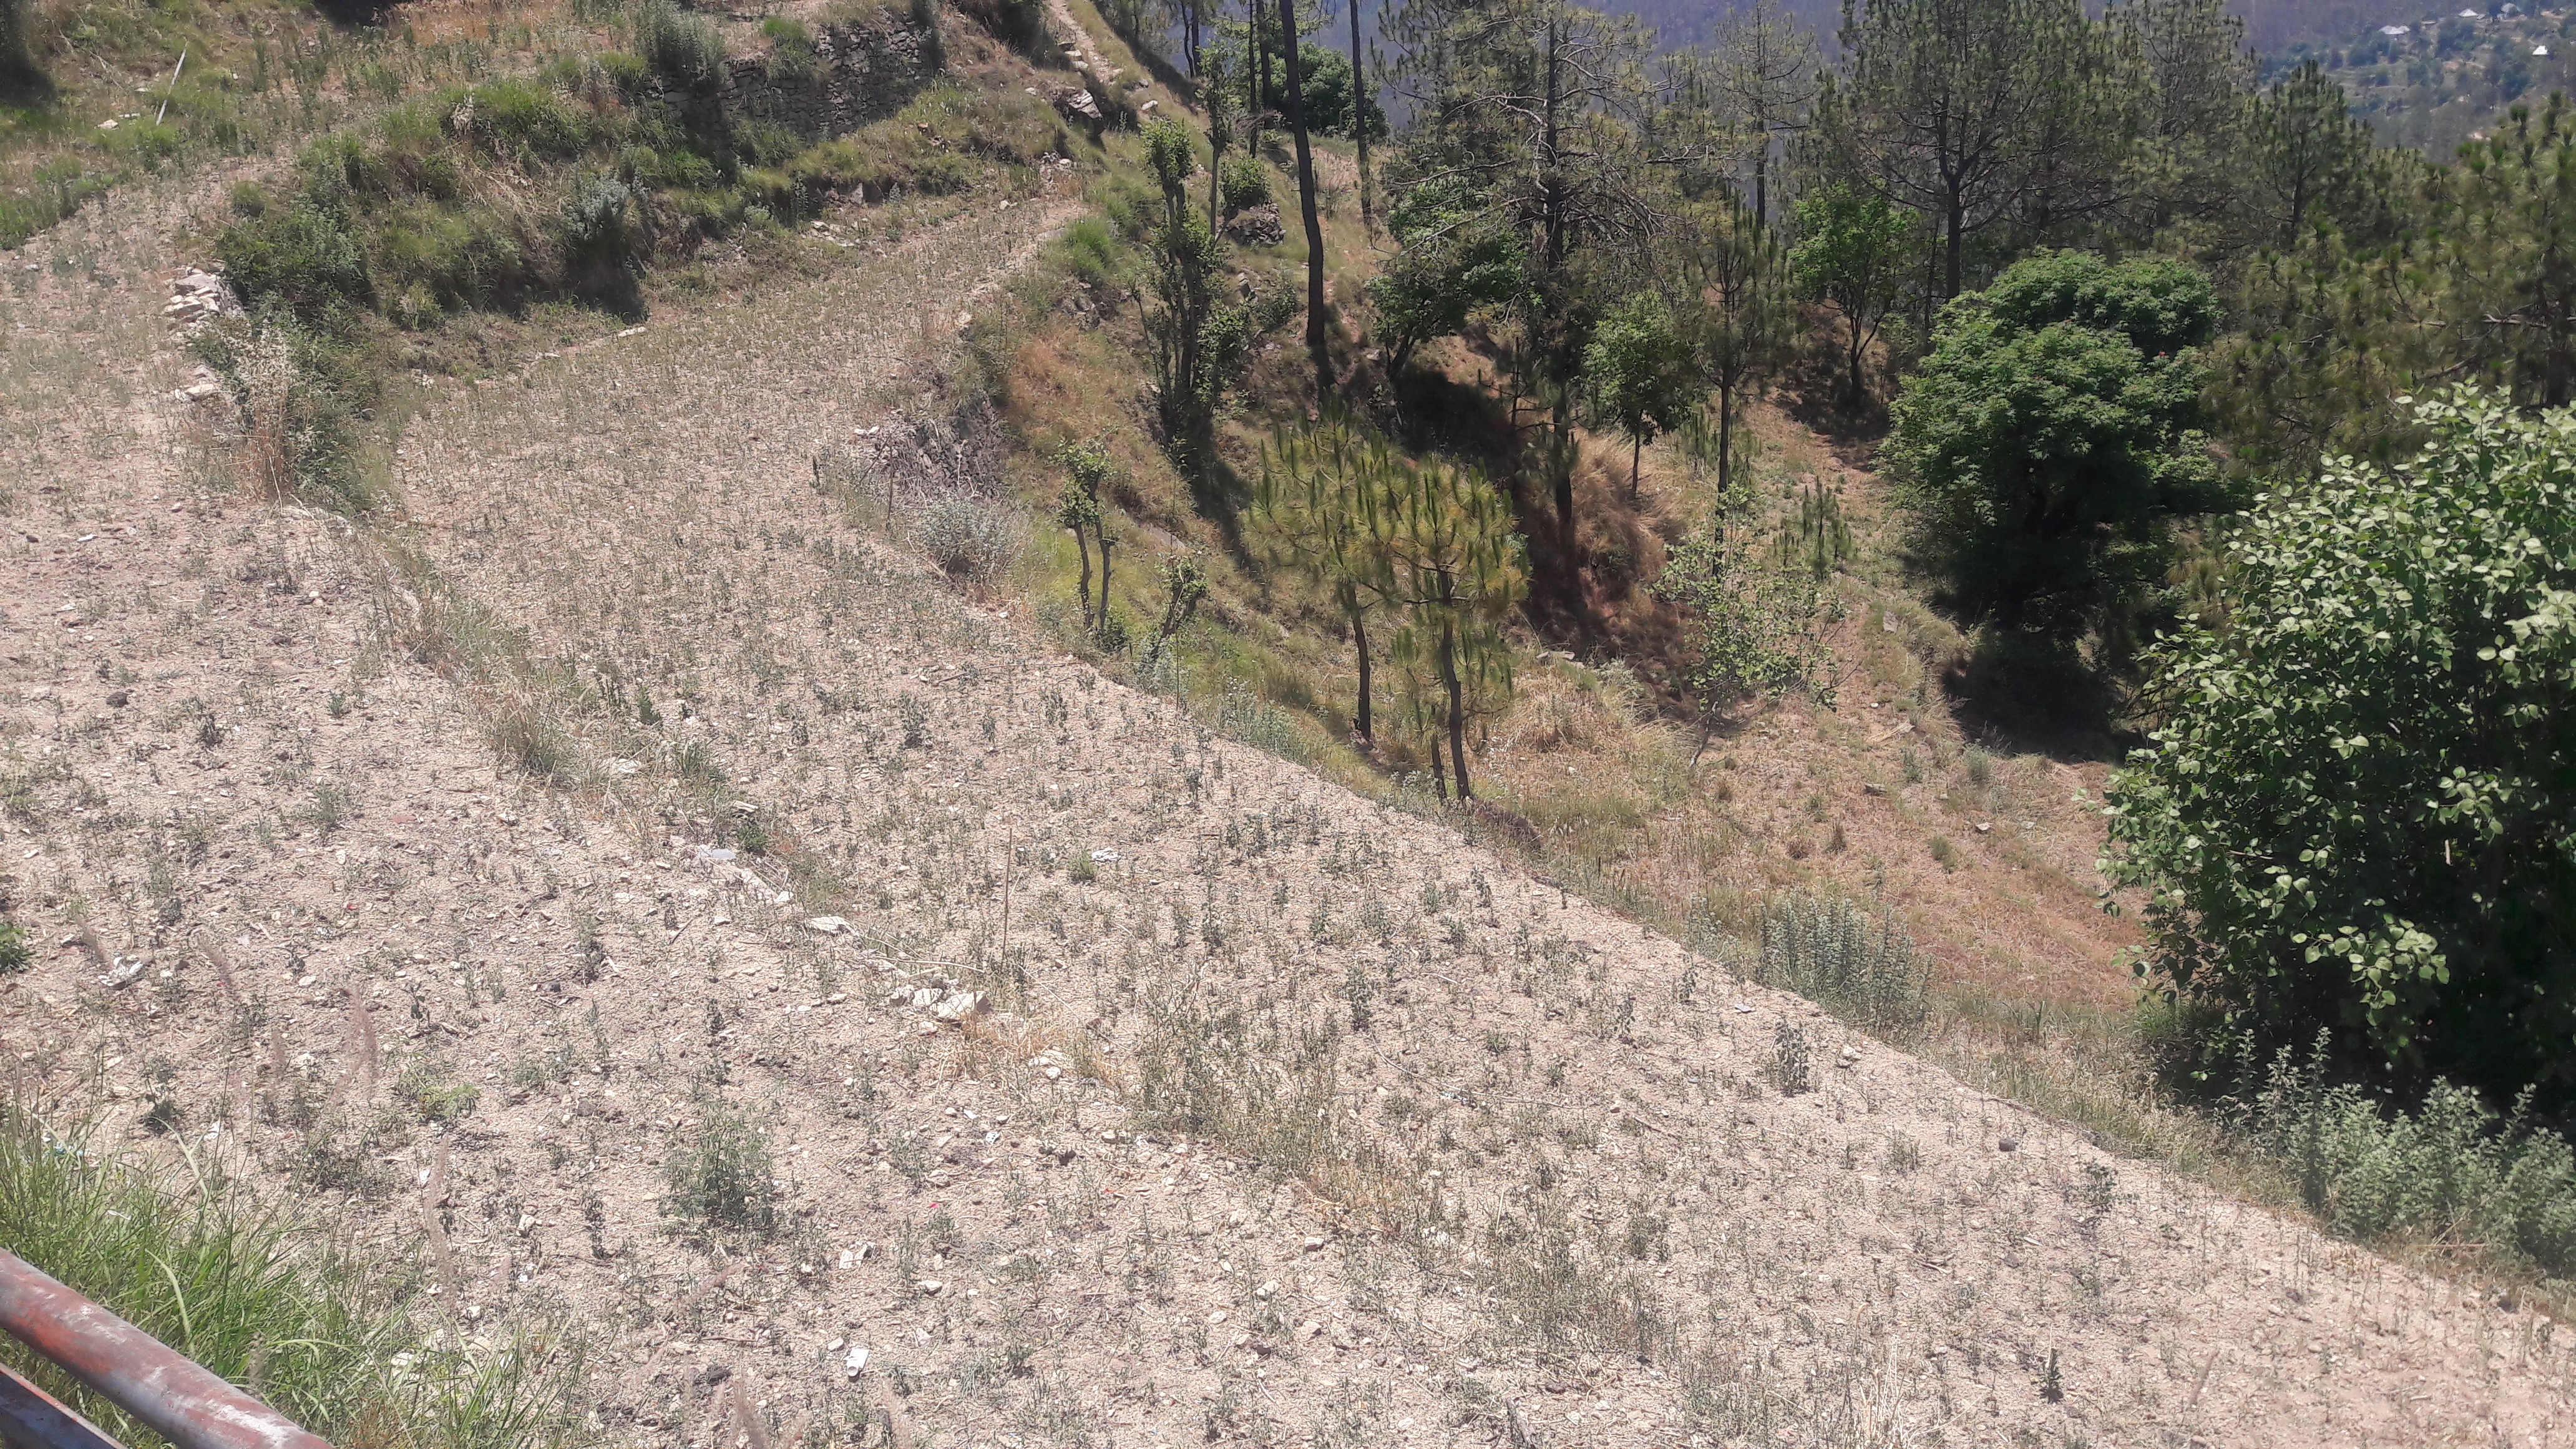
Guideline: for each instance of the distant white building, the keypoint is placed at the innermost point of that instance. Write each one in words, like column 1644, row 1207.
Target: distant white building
column 2396, row 30
column 2540, row 50
column 2468, row 15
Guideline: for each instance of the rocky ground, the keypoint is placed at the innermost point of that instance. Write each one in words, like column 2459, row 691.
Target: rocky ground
column 623, row 882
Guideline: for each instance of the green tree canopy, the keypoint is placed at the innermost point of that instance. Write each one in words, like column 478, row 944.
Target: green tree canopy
column 1854, row 250
column 1456, row 258
column 2051, row 440
column 2359, row 816
column 1639, row 373
column 1983, row 112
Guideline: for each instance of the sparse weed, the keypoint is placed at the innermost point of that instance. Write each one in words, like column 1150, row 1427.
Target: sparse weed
column 1791, row 1067
column 434, row 1095
column 720, row 1175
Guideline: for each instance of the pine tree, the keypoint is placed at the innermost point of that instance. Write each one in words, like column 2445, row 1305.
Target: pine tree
column 1316, row 338
column 1724, row 279
column 1765, row 78
column 2199, row 85
column 1325, row 505
column 1980, row 112
column 1455, row 567
column 2306, row 161
column 1534, row 108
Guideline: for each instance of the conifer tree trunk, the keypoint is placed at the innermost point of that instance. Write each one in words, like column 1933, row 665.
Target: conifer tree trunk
column 1359, row 118
column 1457, row 706
column 1104, row 576
column 1360, row 643
column 1316, row 344
column 1261, row 58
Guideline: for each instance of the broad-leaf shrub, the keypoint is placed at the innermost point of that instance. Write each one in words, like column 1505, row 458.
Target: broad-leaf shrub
column 2052, row 440
column 2356, row 816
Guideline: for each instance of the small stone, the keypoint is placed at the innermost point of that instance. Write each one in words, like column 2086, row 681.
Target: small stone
column 828, row 925
column 2007, row 1144
column 929, row 1287
column 1314, row 1245
column 1873, row 789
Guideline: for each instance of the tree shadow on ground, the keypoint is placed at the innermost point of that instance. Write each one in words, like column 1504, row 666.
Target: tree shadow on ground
column 1816, row 392
column 2036, row 696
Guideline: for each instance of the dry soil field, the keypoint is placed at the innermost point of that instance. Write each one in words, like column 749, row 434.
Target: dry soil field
column 618, row 832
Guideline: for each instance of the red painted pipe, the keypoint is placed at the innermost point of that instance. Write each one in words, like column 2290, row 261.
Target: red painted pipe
column 180, row 1399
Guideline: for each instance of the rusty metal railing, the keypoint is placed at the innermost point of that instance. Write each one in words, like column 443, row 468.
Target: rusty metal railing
column 179, row 1399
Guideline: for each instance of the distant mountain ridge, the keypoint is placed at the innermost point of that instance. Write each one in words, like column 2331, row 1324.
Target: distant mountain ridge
column 2272, row 26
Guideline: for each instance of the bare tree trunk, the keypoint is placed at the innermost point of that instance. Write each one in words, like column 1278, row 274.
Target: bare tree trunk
column 1725, row 436
column 1317, row 344
column 1083, row 547
column 1359, row 119
column 1261, row 57
column 1561, row 464
column 1957, row 229
column 1457, row 707
column 1104, row 580
column 1359, row 642
column 1636, row 460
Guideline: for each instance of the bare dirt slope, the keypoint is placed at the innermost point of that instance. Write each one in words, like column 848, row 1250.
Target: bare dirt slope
column 1284, row 1118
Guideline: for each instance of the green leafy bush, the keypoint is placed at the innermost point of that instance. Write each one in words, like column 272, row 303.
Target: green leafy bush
column 1243, row 183
column 1453, row 262
column 2052, row 438
column 2453, row 1171
column 2359, row 813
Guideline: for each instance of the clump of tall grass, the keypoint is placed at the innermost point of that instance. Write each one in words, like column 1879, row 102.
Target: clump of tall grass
column 262, row 1298
column 966, row 537
column 1858, row 965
